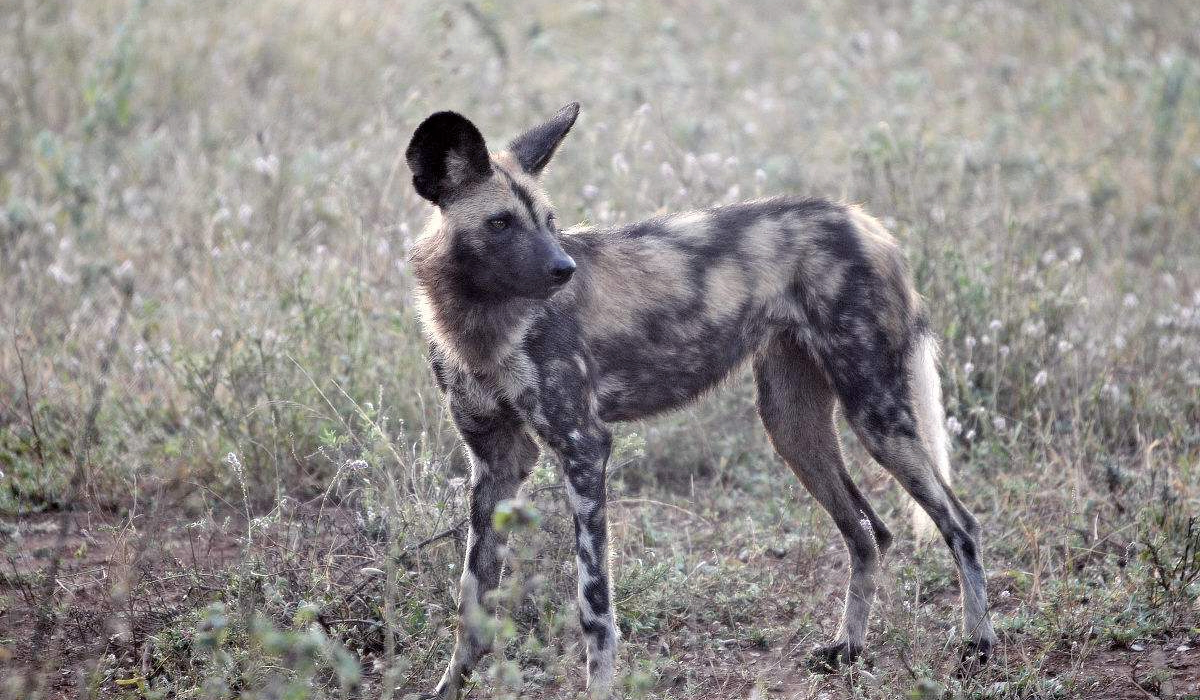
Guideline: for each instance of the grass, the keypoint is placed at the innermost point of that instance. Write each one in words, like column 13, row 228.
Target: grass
column 226, row 472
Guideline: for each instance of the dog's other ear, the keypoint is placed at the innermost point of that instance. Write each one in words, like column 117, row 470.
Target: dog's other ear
column 534, row 148
column 446, row 153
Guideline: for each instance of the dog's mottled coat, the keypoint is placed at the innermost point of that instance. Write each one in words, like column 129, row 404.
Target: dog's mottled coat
column 540, row 335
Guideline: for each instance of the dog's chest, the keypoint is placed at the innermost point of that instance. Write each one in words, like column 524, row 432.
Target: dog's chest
column 510, row 381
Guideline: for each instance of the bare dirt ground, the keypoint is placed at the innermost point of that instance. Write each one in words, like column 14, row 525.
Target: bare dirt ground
column 174, row 569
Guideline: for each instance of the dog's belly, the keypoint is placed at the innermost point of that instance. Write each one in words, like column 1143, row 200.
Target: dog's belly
column 640, row 375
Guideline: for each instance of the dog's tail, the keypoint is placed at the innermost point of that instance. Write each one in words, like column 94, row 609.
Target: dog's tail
column 931, row 422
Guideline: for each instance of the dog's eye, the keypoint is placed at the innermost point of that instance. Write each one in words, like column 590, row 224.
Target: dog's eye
column 498, row 224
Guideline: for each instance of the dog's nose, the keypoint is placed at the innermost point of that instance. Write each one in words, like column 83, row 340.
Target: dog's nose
column 562, row 269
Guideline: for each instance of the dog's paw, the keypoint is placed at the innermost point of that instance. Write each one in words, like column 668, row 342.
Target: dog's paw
column 975, row 654
column 828, row 658
column 443, row 691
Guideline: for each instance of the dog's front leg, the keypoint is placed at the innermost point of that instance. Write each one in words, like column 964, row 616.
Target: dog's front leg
column 502, row 455
column 584, row 455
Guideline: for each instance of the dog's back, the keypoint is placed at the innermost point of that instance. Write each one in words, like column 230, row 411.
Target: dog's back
column 669, row 306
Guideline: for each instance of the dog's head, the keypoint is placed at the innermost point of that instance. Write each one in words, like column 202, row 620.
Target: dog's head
column 496, row 234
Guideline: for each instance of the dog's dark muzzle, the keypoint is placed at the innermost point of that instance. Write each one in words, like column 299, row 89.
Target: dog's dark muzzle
column 561, row 269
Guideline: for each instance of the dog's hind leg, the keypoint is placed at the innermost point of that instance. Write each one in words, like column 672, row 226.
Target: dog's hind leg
column 796, row 404
column 894, row 405
column 502, row 455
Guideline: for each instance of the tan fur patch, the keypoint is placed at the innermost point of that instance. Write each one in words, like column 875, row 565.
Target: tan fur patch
column 630, row 277
column 481, row 202
column 725, row 290
column 695, row 226
column 761, row 242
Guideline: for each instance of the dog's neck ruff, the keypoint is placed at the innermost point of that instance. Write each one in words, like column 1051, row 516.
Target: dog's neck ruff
column 478, row 335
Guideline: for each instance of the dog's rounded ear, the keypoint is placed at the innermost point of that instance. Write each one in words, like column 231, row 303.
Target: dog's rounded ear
column 446, row 153
column 534, row 148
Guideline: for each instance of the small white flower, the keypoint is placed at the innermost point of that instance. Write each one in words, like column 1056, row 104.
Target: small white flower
column 245, row 213
column 667, row 171
column 760, row 176
column 267, row 166
column 970, row 435
column 1075, row 254
column 953, row 426
column 59, row 275
column 1004, row 350
column 999, row 424
column 356, row 465
column 1064, row 347
column 995, row 325
column 969, row 342
column 968, row 368
column 1130, row 301
column 590, row 192
column 1040, row 379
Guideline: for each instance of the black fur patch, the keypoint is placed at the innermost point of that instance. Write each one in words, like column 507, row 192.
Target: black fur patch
column 596, row 630
column 437, row 138
column 868, row 366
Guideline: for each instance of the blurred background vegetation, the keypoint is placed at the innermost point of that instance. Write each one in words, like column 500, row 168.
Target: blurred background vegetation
column 226, row 472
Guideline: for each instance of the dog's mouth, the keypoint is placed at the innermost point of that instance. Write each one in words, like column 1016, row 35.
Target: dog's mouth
column 550, row 289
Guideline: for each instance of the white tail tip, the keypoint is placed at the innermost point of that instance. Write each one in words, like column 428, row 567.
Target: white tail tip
column 931, row 424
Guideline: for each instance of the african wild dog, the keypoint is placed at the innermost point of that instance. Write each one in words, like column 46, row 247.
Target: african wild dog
column 540, row 332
